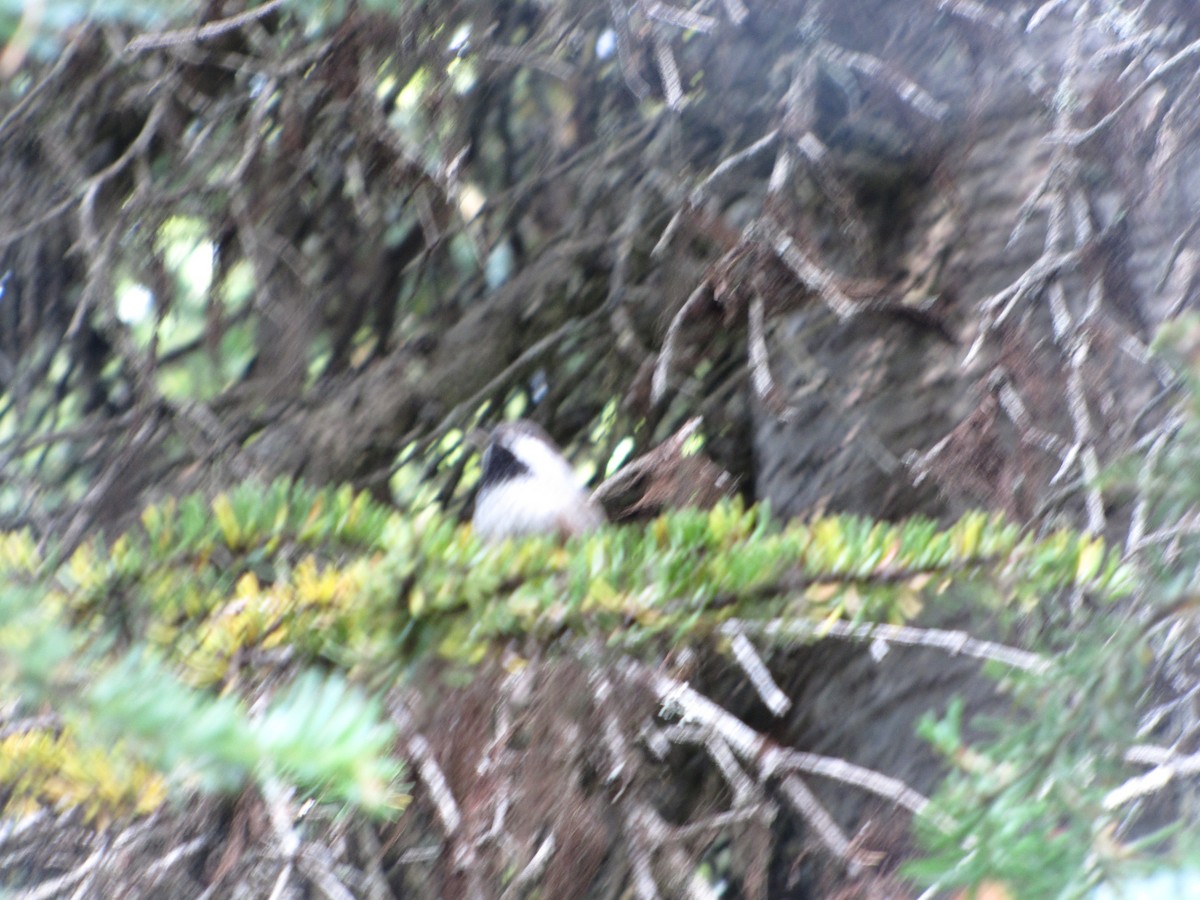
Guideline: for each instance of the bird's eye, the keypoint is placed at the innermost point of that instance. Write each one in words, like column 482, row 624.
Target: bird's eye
column 499, row 463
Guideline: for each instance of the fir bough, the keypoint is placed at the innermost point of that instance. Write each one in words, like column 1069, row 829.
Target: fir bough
column 248, row 593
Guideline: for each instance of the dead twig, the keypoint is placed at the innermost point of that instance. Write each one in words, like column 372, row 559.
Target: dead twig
column 204, row 32
column 954, row 643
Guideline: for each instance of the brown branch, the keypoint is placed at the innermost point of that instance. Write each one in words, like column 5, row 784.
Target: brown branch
column 204, row 32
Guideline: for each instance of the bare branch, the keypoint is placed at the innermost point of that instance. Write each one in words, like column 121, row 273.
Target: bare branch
column 975, row 12
column 515, row 56
column 759, row 675
column 700, row 192
column 633, row 78
column 431, row 773
column 760, row 362
column 1167, row 767
column 1044, row 12
column 1185, row 55
column 904, row 88
column 848, row 773
column 534, row 870
column 204, row 32
column 815, row 814
column 662, row 367
column 955, row 643
column 812, row 276
column 679, row 17
column 57, row 886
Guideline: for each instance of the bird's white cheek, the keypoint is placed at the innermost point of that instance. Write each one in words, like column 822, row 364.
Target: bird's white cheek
column 518, row 507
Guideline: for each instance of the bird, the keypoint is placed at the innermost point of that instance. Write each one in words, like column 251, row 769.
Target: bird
column 527, row 487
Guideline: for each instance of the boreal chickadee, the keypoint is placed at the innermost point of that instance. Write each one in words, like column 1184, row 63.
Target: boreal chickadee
column 527, row 487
